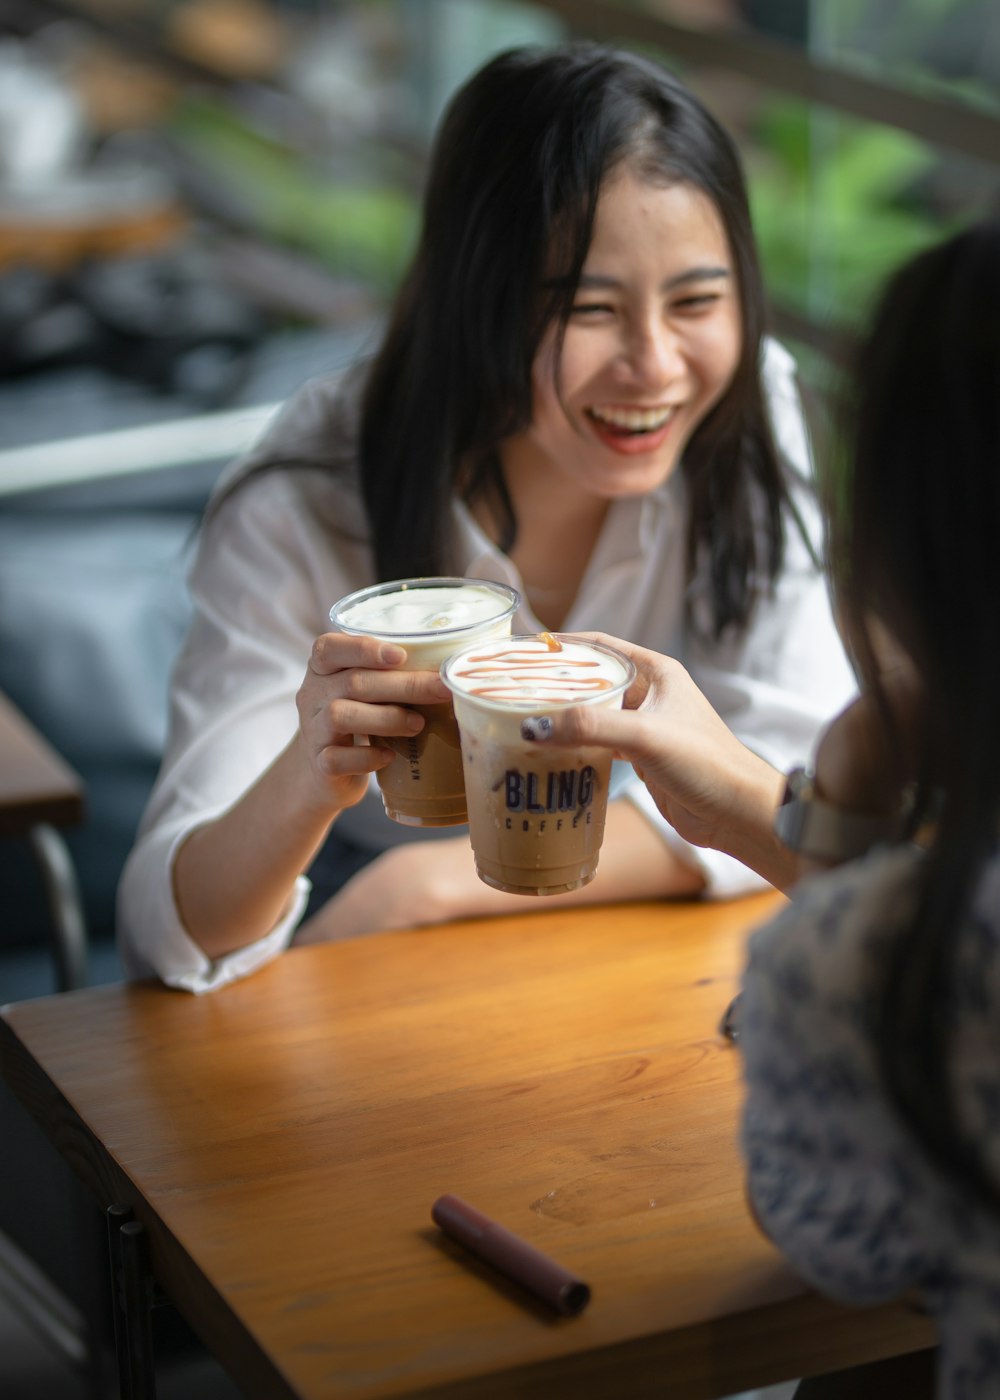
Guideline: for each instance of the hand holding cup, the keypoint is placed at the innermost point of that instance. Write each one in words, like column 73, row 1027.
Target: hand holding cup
column 357, row 698
column 421, row 780
column 712, row 789
column 536, row 815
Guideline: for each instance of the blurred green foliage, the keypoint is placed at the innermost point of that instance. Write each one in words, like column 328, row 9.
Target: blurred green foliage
column 835, row 206
column 358, row 225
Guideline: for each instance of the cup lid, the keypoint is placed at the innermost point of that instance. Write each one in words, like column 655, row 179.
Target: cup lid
column 418, row 611
column 530, row 671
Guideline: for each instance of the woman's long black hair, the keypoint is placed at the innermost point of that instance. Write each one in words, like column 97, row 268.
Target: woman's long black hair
column 513, row 186
column 920, row 548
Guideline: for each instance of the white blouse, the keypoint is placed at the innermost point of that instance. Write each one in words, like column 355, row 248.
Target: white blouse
column 290, row 542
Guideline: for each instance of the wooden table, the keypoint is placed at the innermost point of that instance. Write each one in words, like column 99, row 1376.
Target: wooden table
column 283, row 1141
column 39, row 792
column 36, row 785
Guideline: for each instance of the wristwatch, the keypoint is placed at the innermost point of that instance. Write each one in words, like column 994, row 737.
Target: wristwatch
column 806, row 823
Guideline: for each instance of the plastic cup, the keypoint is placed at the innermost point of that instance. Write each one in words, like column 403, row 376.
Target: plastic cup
column 536, row 811
column 430, row 618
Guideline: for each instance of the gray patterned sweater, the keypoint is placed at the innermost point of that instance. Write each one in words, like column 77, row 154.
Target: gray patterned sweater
column 839, row 1184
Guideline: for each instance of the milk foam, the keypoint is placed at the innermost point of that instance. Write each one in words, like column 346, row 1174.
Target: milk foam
column 413, row 612
column 530, row 671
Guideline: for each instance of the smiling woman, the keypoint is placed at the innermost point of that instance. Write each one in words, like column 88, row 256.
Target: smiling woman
column 574, row 396
column 652, row 343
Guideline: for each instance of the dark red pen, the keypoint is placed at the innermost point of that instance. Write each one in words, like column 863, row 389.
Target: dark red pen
column 511, row 1255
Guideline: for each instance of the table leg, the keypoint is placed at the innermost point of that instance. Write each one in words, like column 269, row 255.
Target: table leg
column 132, row 1297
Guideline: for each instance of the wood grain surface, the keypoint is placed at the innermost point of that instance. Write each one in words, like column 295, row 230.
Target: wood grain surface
column 284, row 1139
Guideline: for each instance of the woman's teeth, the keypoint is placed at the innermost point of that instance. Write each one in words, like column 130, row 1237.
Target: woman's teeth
column 633, row 420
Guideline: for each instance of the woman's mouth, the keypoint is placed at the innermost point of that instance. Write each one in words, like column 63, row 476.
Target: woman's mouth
column 629, row 429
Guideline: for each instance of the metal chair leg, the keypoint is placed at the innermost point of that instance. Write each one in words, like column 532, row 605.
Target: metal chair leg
column 69, row 931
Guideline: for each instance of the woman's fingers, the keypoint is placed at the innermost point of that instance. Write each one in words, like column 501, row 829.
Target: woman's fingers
column 370, row 703
column 352, row 760
column 640, row 730
column 356, row 686
column 698, row 773
column 350, row 717
column 650, row 666
column 336, row 651
column 387, row 687
column 620, row 730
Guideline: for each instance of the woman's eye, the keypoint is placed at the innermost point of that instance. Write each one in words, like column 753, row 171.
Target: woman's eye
column 591, row 308
column 697, row 301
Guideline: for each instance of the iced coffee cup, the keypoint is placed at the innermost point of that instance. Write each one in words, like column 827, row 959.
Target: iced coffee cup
column 430, row 618
column 536, row 812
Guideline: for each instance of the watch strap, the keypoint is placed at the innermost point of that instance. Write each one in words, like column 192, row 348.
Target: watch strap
column 814, row 827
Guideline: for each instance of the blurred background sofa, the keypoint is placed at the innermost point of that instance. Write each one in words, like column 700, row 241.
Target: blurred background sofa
column 93, row 601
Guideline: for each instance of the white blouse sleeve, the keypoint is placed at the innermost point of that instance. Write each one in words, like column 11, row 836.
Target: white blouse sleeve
column 265, row 576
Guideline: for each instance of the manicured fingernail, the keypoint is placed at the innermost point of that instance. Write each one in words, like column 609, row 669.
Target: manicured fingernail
column 414, row 722
column 392, row 655
column 537, row 728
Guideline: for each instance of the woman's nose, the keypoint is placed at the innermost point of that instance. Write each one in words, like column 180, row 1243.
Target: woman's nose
column 653, row 354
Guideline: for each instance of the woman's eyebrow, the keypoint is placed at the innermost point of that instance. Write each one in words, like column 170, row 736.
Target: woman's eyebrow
column 593, row 281
column 697, row 274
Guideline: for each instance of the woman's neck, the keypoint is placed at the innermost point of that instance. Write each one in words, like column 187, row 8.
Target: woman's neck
column 557, row 530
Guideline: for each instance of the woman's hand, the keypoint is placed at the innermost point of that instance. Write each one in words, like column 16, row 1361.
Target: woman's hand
column 355, row 691
column 712, row 789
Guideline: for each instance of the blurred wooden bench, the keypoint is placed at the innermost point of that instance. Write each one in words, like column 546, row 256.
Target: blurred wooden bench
column 39, row 793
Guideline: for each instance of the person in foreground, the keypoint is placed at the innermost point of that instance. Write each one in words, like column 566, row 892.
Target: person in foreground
column 573, row 396
column 870, row 1014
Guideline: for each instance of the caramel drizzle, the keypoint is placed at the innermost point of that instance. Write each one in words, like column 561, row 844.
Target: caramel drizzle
column 506, row 688
column 578, row 685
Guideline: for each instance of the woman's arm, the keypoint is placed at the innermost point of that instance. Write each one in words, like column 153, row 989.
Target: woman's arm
column 715, row 791
column 432, row 881
column 236, row 811
column 267, row 838
column 712, row 789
